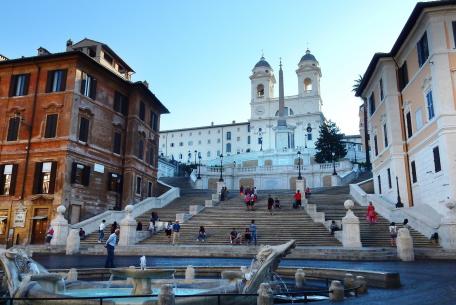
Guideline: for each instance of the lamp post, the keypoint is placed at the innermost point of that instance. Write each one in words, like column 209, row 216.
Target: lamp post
column 221, row 168
column 199, row 167
column 399, row 204
column 354, row 149
column 299, row 166
column 334, row 163
column 196, row 152
column 189, row 157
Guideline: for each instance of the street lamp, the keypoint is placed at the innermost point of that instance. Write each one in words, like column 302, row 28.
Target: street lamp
column 189, row 157
column 334, row 163
column 196, row 152
column 221, row 168
column 299, row 166
column 399, row 204
column 199, row 167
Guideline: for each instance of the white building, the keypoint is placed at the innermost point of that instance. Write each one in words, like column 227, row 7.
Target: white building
column 303, row 116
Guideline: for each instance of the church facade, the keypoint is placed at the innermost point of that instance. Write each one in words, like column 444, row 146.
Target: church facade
column 301, row 113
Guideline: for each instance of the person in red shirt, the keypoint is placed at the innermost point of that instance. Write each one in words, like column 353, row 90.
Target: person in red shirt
column 297, row 198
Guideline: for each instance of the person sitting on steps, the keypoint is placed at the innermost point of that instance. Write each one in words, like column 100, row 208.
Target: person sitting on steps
column 334, row 227
column 235, row 237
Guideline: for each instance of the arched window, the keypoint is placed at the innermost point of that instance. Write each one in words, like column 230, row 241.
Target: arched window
column 286, row 112
column 260, row 90
column 307, row 84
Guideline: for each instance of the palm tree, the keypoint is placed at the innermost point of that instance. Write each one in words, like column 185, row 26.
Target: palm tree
column 355, row 88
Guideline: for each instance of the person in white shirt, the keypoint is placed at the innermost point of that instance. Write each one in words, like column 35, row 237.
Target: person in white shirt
column 393, row 234
column 101, row 231
column 110, row 246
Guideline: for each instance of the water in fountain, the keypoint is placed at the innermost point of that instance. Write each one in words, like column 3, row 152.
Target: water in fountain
column 278, row 278
column 143, row 262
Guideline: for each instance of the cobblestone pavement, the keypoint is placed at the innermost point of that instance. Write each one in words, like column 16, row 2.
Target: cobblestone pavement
column 424, row 282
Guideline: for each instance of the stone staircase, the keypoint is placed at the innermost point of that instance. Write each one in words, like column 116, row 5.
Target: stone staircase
column 331, row 202
column 283, row 225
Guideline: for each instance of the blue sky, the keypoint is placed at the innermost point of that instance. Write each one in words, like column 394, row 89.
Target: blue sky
column 197, row 55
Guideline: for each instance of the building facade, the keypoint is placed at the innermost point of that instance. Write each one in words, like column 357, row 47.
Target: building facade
column 411, row 100
column 302, row 111
column 76, row 131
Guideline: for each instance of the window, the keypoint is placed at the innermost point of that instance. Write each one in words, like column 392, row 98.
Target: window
column 149, row 189
column 80, row 174
column 208, row 154
column 208, row 141
column 140, row 147
column 371, row 104
column 228, row 135
column 408, row 119
column 238, row 139
column 389, row 178
column 375, row 145
column 437, row 165
column 8, row 177
column 120, row 103
column 117, row 142
column 171, row 145
column 13, row 128
column 138, row 185
column 423, row 49
column 56, row 81
column 454, row 32
column 218, row 140
column 379, row 184
column 248, row 139
column 248, row 128
column 83, row 129
column 403, row 76
column 309, row 136
column 260, row 90
column 381, row 90
column 150, row 154
column 108, row 58
column 418, row 119
column 45, row 174
column 181, row 143
column 218, row 153
column 199, row 142
column 142, row 111
column 51, row 126
column 385, row 135
column 88, row 85
column 228, row 147
column 190, row 143
column 153, row 121
column 307, row 85
column 430, row 105
column 414, row 179
column 19, row 84
column 114, row 182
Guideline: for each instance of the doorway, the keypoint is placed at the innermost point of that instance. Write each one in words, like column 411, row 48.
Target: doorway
column 39, row 226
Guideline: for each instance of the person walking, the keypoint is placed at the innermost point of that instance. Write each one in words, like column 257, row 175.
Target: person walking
column 253, row 231
column 277, row 203
column 371, row 214
column 297, row 197
column 270, row 204
column 82, row 234
column 247, row 201
column 393, row 234
column 153, row 219
column 114, row 227
column 241, row 190
column 110, row 246
column 169, row 230
column 176, row 232
column 101, row 229
column 49, row 235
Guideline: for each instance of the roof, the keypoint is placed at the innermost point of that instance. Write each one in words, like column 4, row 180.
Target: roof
column 204, row 127
column 140, row 85
column 262, row 63
column 307, row 56
column 111, row 51
column 411, row 21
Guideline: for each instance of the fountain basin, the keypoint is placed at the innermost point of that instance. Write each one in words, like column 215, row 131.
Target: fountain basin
column 141, row 279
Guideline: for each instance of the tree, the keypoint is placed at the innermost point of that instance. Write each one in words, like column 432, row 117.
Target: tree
column 329, row 141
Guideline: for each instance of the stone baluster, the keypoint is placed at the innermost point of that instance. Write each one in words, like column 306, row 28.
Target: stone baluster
column 361, row 284
column 336, row 291
column 349, row 281
column 166, row 295
column 60, row 226
column 189, row 273
column 265, row 296
column 404, row 243
column 128, row 224
column 73, row 242
column 300, row 278
column 447, row 231
column 350, row 227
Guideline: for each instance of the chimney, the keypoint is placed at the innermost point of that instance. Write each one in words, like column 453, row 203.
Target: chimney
column 146, row 84
column 42, row 51
column 69, row 45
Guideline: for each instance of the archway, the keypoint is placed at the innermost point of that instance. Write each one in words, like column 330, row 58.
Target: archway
column 327, row 180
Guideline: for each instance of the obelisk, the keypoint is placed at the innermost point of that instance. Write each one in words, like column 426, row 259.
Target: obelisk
column 284, row 133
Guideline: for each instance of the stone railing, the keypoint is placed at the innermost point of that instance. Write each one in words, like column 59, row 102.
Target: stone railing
column 91, row 225
column 348, row 177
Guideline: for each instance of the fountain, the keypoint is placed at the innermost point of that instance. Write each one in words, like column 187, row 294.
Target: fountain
column 26, row 278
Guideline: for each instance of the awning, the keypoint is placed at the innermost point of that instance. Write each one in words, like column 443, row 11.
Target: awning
column 3, row 218
column 39, row 217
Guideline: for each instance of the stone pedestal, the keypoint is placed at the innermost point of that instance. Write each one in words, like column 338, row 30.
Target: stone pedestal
column 349, row 281
column 265, row 296
column 189, row 273
column 127, row 235
column 215, row 198
column 166, row 295
column 301, row 186
column 336, row 291
column 208, row 203
column 361, row 283
column 73, row 242
column 351, row 237
column 447, row 231
column 199, row 184
column 335, row 180
column 404, row 243
column 220, row 185
column 60, row 226
column 300, row 278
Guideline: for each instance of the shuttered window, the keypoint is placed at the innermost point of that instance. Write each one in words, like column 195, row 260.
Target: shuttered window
column 375, row 145
column 13, row 129
column 45, row 177
column 56, row 81
column 19, row 84
column 120, row 103
column 142, row 111
column 88, row 86
column 423, row 49
column 114, row 182
column 437, row 165
column 80, row 174
column 138, row 186
column 371, row 104
column 51, row 126
column 8, row 177
column 414, row 179
column 379, row 184
column 153, row 120
column 403, row 76
column 117, row 142
column 389, row 178
column 84, row 125
column 408, row 118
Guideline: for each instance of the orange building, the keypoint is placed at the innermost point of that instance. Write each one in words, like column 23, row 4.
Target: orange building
column 74, row 130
